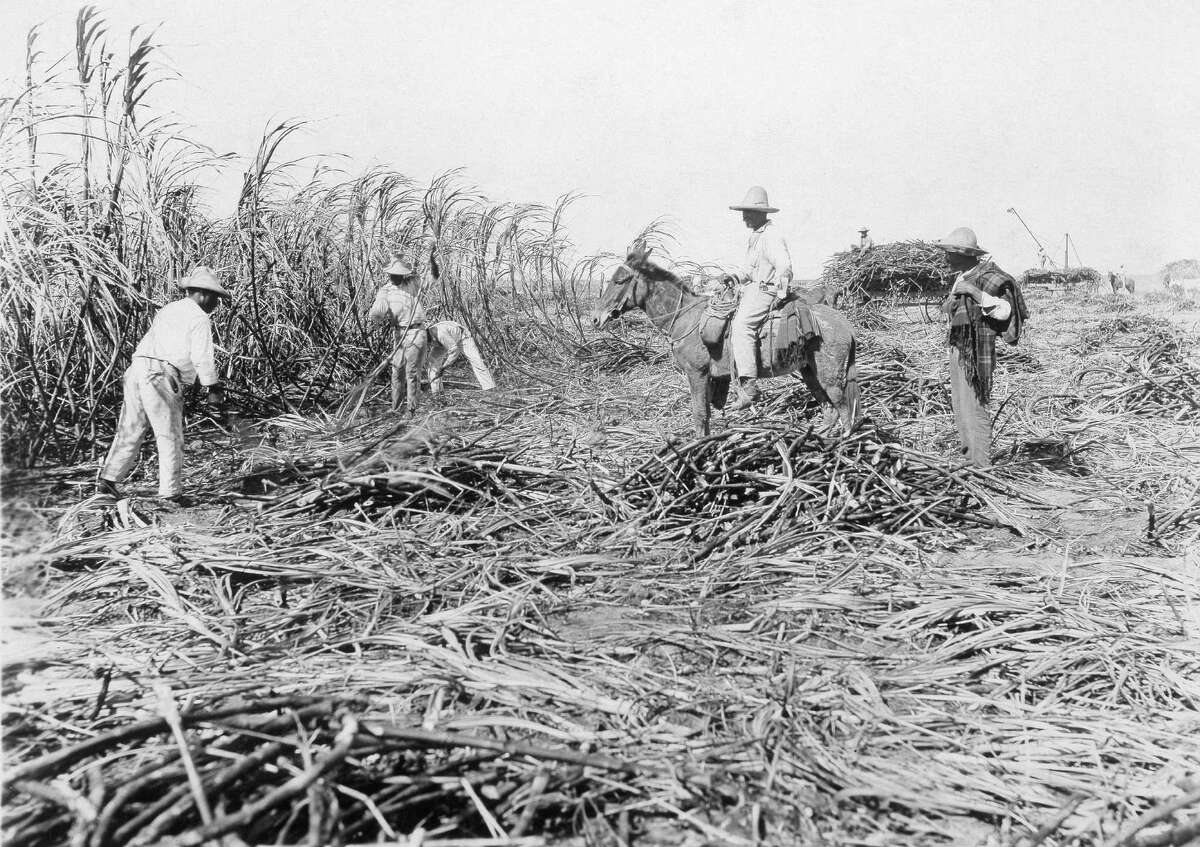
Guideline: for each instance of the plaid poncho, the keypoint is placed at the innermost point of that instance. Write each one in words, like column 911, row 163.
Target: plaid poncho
column 974, row 334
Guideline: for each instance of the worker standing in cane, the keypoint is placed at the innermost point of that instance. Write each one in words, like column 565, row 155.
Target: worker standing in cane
column 398, row 304
column 176, row 351
column 984, row 302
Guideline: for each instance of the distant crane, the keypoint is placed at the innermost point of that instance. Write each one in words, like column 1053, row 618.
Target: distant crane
column 1042, row 254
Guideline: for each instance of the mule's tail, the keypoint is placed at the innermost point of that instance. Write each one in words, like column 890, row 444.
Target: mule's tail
column 719, row 391
column 850, row 395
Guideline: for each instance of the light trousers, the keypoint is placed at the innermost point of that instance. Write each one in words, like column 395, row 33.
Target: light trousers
column 406, row 366
column 754, row 305
column 153, row 401
column 972, row 417
column 442, row 357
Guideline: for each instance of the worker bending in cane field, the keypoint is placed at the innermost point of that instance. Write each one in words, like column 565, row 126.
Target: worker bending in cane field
column 762, row 286
column 398, row 305
column 176, row 350
column 447, row 342
column 983, row 302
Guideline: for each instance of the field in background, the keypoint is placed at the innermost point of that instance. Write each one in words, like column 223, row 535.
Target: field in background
column 550, row 615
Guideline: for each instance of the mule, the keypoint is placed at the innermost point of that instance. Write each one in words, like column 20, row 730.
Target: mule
column 826, row 364
column 1120, row 283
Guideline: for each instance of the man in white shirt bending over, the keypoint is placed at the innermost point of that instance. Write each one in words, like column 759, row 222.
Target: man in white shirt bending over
column 764, row 285
column 176, row 350
column 449, row 340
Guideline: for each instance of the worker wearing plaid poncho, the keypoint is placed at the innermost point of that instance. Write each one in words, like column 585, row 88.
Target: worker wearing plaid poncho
column 983, row 303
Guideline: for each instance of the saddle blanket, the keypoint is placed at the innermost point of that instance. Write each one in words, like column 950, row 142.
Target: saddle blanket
column 782, row 339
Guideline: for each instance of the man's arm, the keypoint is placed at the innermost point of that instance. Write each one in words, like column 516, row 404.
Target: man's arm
column 781, row 261
column 996, row 308
column 200, row 349
column 379, row 312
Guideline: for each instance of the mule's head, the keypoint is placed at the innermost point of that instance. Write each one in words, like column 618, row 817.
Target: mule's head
column 625, row 290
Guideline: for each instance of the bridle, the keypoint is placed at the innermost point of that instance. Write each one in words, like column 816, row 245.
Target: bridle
column 627, row 301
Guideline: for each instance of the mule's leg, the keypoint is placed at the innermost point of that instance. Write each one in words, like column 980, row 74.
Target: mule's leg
column 822, row 394
column 849, row 409
column 831, row 365
column 719, row 391
column 699, row 384
column 835, row 407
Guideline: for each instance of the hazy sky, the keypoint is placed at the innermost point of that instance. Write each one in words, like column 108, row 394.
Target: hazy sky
column 908, row 117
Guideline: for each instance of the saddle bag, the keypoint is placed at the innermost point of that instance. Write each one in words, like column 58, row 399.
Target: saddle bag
column 786, row 336
column 715, row 320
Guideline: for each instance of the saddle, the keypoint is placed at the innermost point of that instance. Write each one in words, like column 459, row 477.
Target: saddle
column 783, row 337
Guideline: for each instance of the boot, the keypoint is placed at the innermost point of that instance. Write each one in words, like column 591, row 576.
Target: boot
column 107, row 489
column 747, row 393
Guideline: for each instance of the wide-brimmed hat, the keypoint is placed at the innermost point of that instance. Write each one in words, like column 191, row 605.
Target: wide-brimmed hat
column 399, row 267
column 962, row 240
column 202, row 278
column 756, row 201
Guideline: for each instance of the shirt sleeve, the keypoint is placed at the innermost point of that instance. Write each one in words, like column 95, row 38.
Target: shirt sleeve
column 379, row 312
column 781, row 261
column 201, row 350
column 996, row 308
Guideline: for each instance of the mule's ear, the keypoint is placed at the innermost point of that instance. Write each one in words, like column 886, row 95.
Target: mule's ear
column 638, row 253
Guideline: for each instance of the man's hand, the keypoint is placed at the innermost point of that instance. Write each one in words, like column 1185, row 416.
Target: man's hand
column 967, row 289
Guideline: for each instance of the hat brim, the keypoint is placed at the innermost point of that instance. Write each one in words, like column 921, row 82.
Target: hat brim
column 767, row 209
column 959, row 248
column 220, row 292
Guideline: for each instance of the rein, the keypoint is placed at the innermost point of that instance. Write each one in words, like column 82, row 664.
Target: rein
column 625, row 302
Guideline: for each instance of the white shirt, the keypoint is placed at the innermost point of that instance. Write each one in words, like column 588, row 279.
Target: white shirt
column 397, row 305
column 181, row 334
column 768, row 262
column 449, row 334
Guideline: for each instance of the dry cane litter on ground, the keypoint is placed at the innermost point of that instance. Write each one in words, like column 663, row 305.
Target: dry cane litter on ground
column 551, row 616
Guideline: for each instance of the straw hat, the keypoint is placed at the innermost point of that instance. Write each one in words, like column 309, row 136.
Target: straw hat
column 203, row 279
column 756, row 201
column 399, row 267
column 962, row 240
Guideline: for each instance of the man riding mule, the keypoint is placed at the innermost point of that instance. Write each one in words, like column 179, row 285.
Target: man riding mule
column 764, row 281
column 822, row 350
